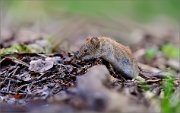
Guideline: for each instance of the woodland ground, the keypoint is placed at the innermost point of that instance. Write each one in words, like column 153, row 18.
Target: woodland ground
column 39, row 71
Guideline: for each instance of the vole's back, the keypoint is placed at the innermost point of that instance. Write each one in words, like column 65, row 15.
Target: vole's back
column 123, row 60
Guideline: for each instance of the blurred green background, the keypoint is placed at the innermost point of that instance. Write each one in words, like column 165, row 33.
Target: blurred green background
column 140, row 10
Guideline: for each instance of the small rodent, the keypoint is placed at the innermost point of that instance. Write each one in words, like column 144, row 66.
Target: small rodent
column 118, row 55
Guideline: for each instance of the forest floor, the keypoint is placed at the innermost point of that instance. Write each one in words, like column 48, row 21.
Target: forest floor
column 33, row 80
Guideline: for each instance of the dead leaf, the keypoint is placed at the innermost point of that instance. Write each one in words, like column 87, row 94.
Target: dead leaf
column 40, row 65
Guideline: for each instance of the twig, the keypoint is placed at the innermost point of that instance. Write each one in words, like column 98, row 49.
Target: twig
column 148, row 74
column 9, row 83
column 13, row 93
column 151, row 81
column 13, row 80
column 15, row 70
column 20, row 62
column 45, row 78
column 21, row 87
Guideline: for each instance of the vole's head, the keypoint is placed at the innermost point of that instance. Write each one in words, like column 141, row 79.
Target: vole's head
column 89, row 48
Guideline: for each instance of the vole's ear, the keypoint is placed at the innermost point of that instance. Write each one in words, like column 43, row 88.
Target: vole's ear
column 95, row 41
column 88, row 38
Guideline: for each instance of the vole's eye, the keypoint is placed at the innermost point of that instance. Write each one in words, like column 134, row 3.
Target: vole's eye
column 85, row 50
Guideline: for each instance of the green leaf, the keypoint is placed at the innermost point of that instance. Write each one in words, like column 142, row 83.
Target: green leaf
column 150, row 53
column 144, row 86
column 170, row 51
column 14, row 49
column 168, row 86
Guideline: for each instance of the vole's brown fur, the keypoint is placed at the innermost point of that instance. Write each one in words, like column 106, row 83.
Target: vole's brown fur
column 118, row 55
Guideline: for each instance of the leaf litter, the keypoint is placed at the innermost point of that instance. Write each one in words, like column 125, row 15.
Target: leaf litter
column 62, row 79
